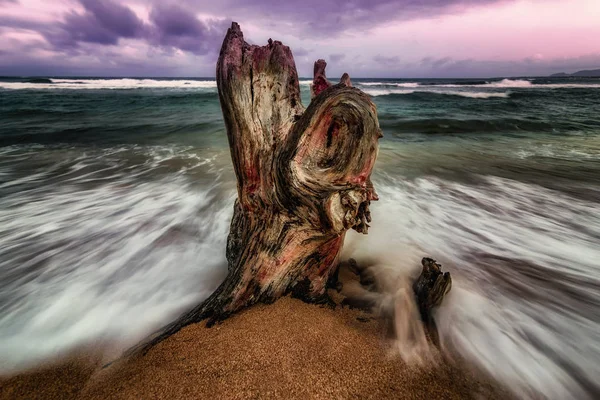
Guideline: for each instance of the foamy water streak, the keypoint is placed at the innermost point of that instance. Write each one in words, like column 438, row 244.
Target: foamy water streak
column 373, row 88
column 117, row 83
column 125, row 83
column 523, row 83
column 504, row 83
column 475, row 91
column 469, row 94
column 99, row 248
column 525, row 302
column 404, row 84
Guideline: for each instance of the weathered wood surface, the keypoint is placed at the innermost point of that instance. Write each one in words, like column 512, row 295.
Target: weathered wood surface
column 303, row 177
column 430, row 288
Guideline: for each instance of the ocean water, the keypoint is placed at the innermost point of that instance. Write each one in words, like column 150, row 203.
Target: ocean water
column 116, row 196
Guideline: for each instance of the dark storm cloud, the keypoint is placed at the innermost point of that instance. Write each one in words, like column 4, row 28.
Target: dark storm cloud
column 177, row 27
column 113, row 17
column 11, row 22
column 88, row 37
column 321, row 17
column 105, row 22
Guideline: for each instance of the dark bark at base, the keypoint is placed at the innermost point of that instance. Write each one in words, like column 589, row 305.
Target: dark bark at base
column 430, row 288
column 303, row 179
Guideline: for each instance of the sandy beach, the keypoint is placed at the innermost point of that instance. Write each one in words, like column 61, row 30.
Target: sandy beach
column 288, row 349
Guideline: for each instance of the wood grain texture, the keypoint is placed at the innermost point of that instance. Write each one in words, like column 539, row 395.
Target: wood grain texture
column 303, row 177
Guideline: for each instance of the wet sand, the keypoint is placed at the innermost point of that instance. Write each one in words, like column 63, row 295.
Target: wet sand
column 285, row 350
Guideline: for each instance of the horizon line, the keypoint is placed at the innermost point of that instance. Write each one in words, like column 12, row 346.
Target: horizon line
column 300, row 77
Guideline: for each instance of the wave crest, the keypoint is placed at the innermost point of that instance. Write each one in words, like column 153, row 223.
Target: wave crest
column 124, row 83
column 469, row 94
column 402, row 84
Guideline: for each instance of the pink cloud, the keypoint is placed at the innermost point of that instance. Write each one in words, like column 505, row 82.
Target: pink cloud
column 491, row 37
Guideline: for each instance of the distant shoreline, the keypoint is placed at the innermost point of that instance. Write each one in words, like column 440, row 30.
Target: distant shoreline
column 558, row 75
column 589, row 73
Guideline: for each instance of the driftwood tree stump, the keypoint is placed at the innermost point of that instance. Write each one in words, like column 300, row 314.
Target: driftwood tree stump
column 303, row 177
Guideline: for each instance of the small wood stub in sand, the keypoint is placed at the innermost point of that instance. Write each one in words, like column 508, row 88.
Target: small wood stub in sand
column 430, row 288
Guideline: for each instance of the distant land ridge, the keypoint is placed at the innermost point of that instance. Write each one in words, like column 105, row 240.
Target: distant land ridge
column 585, row 73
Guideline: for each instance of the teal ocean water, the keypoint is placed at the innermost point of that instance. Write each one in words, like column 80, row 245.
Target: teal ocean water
column 116, row 195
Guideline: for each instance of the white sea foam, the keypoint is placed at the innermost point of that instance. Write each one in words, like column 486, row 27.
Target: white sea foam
column 129, row 83
column 504, row 83
column 470, row 94
column 524, row 262
column 125, row 83
column 479, row 95
column 524, row 84
column 510, row 83
column 385, row 92
column 563, row 150
column 402, row 84
column 105, row 255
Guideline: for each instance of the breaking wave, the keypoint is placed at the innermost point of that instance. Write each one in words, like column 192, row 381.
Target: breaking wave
column 504, row 83
column 125, row 83
column 404, row 84
column 509, row 83
column 211, row 85
column 469, row 94
column 104, row 244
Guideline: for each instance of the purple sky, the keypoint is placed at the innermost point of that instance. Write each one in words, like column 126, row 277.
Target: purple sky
column 367, row 38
